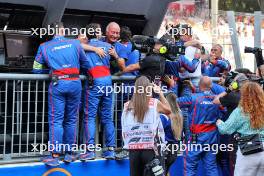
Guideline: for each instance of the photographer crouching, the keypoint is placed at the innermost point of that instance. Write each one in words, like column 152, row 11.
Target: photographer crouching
column 142, row 130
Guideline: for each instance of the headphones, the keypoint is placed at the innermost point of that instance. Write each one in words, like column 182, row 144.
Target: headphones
column 163, row 50
column 234, row 85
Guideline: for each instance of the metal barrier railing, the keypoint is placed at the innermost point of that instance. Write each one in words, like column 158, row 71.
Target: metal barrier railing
column 24, row 118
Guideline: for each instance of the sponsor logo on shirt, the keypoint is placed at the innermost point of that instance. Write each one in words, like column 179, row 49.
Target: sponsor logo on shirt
column 206, row 102
column 61, row 47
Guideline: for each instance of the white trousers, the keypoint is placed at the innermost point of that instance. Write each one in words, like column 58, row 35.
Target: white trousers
column 249, row 165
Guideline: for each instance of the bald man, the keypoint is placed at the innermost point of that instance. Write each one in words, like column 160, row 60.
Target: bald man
column 118, row 51
column 112, row 32
column 118, row 55
column 202, row 117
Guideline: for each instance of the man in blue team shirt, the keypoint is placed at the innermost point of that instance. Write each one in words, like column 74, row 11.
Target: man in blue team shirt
column 188, row 67
column 62, row 57
column 203, row 115
column 118, row 56
column 127, row 49
column 117, row 51
column 216, row 64
column 97, row 96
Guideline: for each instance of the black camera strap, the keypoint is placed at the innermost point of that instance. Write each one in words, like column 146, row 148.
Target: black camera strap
column 158, row 145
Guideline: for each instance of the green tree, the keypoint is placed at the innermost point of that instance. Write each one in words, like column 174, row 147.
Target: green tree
column 248, row 6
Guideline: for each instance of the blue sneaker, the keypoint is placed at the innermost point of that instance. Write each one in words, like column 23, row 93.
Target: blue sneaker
column 68, row 158
column 87, row 156
column 109, row 154
column 51, row 161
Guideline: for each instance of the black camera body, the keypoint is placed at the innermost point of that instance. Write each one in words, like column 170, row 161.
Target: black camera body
column 231, row 76
column 145, row 44
column 154, row 63
column 155, row 167
column 173, row 51
column 252, row 50
column 258, row 54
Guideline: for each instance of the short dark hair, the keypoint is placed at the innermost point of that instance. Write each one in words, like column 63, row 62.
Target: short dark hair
column 125, row 34
column 246, row 71
column 93, row 26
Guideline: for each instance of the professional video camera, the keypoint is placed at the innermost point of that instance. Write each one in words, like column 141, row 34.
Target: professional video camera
column 258, row 54
column 259, row 59
column 231, row 76
column 145, row 45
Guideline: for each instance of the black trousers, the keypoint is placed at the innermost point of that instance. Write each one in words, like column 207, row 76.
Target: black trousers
column 169, row 159
column 138, row 159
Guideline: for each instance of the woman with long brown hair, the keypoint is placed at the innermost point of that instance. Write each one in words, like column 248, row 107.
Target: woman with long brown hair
column 141, row 125
column 172, row 124
column 247, row 119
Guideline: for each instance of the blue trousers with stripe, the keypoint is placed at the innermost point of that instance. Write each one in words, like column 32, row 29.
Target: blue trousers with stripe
column 98, row 98
column 63, row 107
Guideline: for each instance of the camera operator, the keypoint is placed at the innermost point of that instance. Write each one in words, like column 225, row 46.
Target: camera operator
column 142, row 128
column 188, row 67
column 247, row 119
column 229, row 99
column 189, row 64
column 152, row 65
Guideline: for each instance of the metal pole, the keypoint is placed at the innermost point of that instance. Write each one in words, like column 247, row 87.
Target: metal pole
column 13, row 114
column 257, row 30
column 6, row 90
column 28, row 114
column 36, row 113
column 43, row 113
column 214, row 19
column 234, row 38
